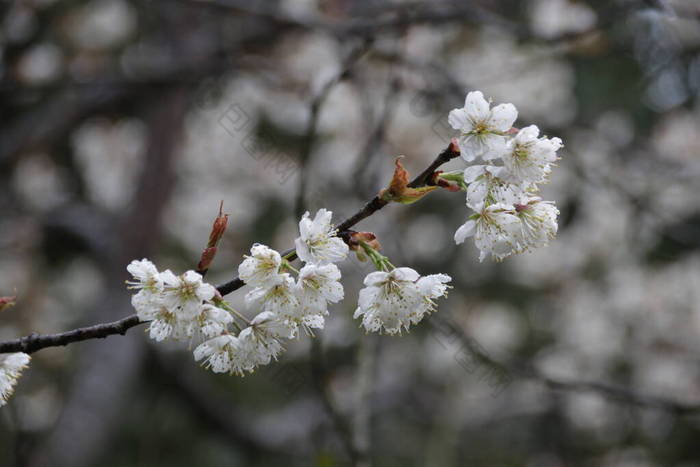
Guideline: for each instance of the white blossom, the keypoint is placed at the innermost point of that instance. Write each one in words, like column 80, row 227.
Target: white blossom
column 262, row 267
column 223, row 354
column 11, row 366
column 149, row 284
column 162, row 324
column 317, row 243
column 510, row 218
column 316, row 286
column 495, row 230
column 392, row 301
column 165, row 324
column 261, row 341
column 487, row 187
column 538, row 223
column 184, row 294
column 482, row 129
column 529, row 158
column 280, row 298
column 213, row 321
column 434, row 285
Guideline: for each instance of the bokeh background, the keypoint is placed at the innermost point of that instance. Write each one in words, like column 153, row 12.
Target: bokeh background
column 123, row 123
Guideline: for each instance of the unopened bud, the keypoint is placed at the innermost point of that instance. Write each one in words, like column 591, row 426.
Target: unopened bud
column 219, row 227
column 206, row 259
column 452, row 181
column 7, row 302
column 355, row 238
column 217, row 231
column 359, row 242
column 399, row 191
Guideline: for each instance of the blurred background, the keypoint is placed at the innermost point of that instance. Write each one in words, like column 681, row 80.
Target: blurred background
column 123, row 124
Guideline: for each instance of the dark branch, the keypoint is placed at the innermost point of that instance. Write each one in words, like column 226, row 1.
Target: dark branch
column 34, row 342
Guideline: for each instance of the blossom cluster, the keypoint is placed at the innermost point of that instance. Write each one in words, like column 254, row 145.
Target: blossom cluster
column 285, row 299
column 509, row 215
column 394, row 300
column 11, row 367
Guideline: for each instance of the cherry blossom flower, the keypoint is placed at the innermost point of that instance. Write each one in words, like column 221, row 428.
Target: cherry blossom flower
column 495, row 230
column 261, row 341
column 487, row 187
column 392, row 301
column 317, row 243
column 262, row 267
column 432, row 287
column 149, row 284
column 223, row 354
column 538, row 221
column 280, row 298
column 11, row 367
column 482, row 128
column 212, row 321
column 316, row 286
column 529, row 158
column 184, row 294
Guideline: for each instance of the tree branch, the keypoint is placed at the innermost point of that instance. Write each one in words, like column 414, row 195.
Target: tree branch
column 35, row 342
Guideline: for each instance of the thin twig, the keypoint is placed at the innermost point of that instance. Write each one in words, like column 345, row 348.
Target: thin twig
column 315, row 110
column 618, row 393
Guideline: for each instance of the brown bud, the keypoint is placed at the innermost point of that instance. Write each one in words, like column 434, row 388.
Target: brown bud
column 206, row 259
column 399, row 191
column 217, row 231
column 219, row 227
column 7, row 302
column 367, row 237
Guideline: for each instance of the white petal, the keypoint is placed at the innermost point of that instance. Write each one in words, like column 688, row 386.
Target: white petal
column 376, row 278
column 466, row 230
column 495, row 146
column 476, row 106
column 459, row 120
column 503, row 117
column 405, row 274
column 527, row 134
column 472, row 172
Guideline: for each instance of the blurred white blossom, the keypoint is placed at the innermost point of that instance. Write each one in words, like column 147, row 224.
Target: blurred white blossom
column 11, row 367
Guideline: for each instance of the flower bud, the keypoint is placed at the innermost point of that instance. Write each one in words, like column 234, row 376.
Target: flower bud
column 448, row 180
column 7, row 302
column 217, row 231
column 355, row 240
column 219, row 227
column 399, row 191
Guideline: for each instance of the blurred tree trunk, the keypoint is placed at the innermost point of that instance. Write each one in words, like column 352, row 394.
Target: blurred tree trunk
column 106, row 374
